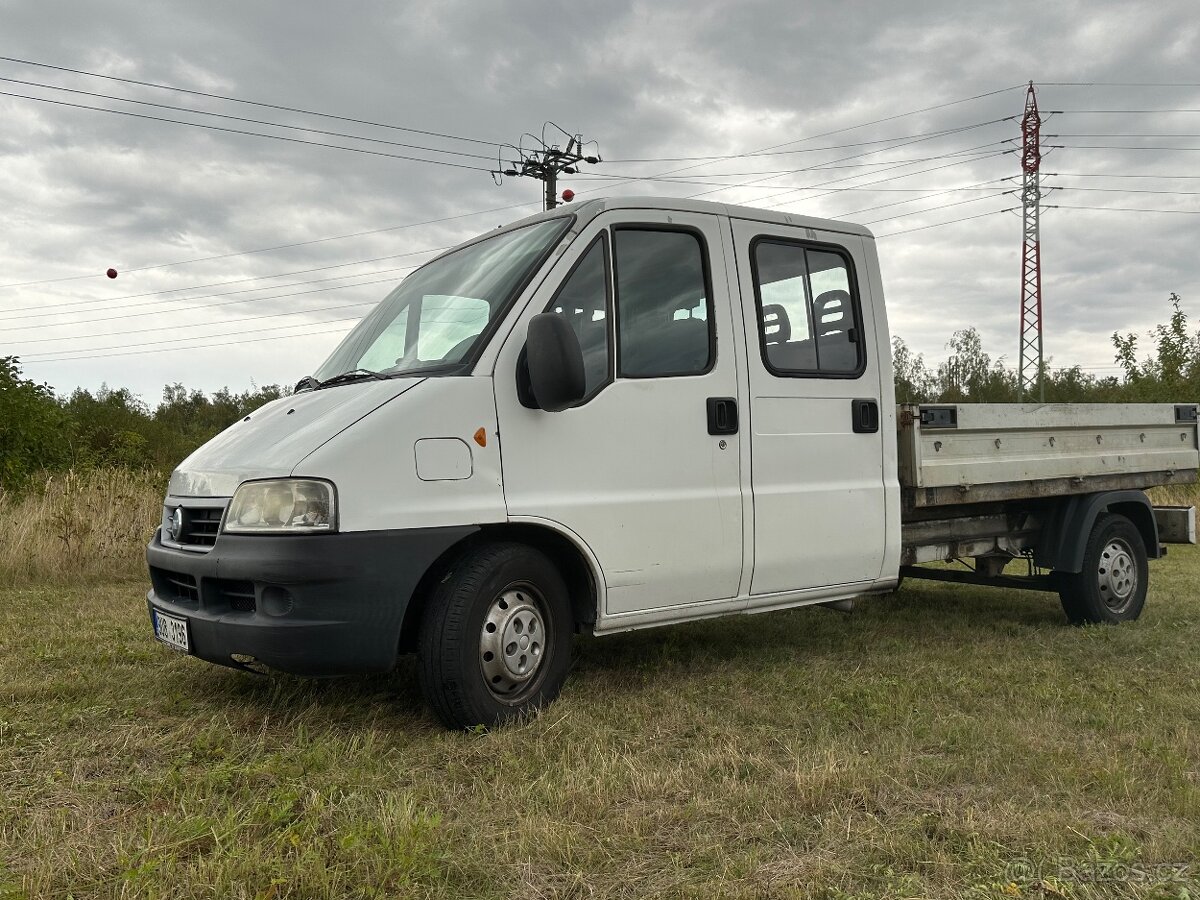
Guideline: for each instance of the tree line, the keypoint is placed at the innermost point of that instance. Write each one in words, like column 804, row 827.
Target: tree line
column 112, row 428
column 41, row 432
column 1169, row 372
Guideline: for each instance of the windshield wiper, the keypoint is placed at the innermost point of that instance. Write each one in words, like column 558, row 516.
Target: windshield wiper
column 309, row 382
column 432, row 368
column 352, row 375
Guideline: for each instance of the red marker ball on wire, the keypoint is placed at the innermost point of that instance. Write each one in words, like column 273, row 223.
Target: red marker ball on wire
column 568, row 195
column 111, row 273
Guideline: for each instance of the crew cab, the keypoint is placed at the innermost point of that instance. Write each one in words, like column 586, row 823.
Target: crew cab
column 629, row 413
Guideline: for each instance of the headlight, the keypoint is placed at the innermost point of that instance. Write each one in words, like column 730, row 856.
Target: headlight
column 281, row 506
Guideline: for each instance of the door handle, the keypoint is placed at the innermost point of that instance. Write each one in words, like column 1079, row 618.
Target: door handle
column 865, row 416
column 722, row 415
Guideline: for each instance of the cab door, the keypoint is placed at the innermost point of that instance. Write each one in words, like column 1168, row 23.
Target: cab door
column 817, row 467
column 641, row 471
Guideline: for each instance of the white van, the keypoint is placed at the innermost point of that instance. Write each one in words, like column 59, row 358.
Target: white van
column 626, row 413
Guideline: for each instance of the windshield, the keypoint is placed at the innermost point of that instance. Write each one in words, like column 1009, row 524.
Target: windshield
column 436, row 315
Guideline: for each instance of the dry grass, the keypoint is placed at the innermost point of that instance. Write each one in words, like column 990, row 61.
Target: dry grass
column 945, row 742
column 95, row 524
column 1176, row 495
column 80, row 525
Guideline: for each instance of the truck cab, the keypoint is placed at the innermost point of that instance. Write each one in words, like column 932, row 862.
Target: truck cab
column 619, row 414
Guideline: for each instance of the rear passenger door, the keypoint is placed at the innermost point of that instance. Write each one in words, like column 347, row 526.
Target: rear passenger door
column 817, row 475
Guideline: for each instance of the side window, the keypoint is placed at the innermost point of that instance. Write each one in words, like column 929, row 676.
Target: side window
column 806, row 310
column 662, row 303
column 583, row 300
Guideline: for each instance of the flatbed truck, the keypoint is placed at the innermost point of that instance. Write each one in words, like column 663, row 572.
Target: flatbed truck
column 627, row 413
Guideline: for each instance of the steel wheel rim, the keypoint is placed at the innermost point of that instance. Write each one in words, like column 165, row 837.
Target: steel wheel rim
column 513, row 643
column 1117, row 575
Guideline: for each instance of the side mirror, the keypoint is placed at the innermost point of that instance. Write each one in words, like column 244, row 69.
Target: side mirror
column 555, row 362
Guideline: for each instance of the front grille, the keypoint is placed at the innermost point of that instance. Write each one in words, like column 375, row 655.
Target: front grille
column 238, row 594
column 177, row 587
column 200, row 525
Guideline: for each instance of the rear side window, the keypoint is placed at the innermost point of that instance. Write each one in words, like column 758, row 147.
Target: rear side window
column 808, row 317
column 663, row 303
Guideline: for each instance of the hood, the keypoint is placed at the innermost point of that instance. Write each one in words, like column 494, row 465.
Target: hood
column 273, row 439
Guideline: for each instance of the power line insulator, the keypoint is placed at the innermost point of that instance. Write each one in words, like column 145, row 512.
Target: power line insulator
column 547, row 162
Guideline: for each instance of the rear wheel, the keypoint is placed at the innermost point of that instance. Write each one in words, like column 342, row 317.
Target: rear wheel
column 1112, row 584
column 495, row 640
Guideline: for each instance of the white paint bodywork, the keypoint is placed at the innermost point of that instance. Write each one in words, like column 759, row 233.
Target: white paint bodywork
column 272, row 439
column 633, row 471
column 374, row 464
column 818, row 488
column 673, row 523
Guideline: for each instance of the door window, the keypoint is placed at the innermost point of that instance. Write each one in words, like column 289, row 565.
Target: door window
column 806, row 311
column 663, row 303
column 583, row 301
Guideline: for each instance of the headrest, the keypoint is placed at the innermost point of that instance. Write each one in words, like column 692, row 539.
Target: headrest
column 777, row 327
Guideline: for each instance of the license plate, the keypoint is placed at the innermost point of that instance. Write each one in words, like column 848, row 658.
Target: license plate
column 171, row 631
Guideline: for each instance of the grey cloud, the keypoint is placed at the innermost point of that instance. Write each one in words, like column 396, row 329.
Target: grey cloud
column 80, row 190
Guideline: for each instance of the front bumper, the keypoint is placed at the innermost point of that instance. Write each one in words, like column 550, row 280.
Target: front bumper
column 314, row 604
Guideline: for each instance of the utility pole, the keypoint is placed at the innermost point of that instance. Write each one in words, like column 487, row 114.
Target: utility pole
column 547, row 161
column 1032, row 358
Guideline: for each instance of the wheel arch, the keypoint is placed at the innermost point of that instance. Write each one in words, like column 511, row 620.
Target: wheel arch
column 573, row 560
column 1064, row 539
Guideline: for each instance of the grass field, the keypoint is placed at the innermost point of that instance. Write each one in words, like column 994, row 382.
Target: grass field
column 942, row 742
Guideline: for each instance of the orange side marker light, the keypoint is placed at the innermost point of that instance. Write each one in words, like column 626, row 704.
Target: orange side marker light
column 481, row 437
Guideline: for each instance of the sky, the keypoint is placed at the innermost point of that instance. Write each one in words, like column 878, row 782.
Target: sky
column 904, row 117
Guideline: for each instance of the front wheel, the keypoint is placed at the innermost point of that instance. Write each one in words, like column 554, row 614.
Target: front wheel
column 1112, row 585
column 495, row 640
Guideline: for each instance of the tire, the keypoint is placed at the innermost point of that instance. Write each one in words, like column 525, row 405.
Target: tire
column 496, row 638
column 1111, row 587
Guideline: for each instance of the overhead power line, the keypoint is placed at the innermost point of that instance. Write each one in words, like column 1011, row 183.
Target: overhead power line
column 202, row 112
column 1180, row 212
column 1121, row 112
column 138, row 315
column 261, row 134
column 770, row 153
column 813, row 137
column 221, row 344
column 434, row 134
column 957, row 162
column 977, row 186
column 1108, row 175
column 904, row 143
column 54, row 309
column 176, row 327
column 918, row 212
column 1120, row 83
column 336, row 237
column 1113, row 147
column 951, row 222
column 903, row 115
column 258, row 103
column 1135, row 135
column 881, row 165
column 1072, row 187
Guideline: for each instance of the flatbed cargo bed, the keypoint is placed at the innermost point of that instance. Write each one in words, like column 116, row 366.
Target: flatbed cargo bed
column 954, row 454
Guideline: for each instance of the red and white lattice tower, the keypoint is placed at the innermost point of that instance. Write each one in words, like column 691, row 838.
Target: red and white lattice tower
column 1031, row 253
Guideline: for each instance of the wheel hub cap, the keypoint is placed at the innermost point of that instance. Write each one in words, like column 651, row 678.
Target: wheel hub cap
column 1117, row 575
column 512, row 642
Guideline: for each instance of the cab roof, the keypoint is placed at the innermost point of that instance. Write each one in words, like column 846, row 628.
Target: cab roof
column 589, row 209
